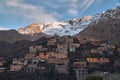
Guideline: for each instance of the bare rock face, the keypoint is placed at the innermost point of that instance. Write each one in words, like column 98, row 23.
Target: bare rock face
column 12, row 36
column 85, row 18
column 30, row 29
column 61, row 28
column 107, row 27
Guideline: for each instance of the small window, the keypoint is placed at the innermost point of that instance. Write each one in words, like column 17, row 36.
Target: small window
column 82, row 73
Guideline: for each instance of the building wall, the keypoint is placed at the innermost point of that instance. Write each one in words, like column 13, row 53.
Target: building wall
column 61, row 68
column 81, row 74
column 30, row 56
column 58, row 55
column 112, row 76
column 57, row 61
column 16, row 67
column 98, row 60
column 44, row 55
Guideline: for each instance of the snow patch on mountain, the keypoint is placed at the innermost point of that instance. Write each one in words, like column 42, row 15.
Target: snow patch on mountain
column 71, row 27
column 60, row 28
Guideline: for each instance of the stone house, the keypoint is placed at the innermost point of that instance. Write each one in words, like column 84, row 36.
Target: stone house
column 61, row 65
column 102, row 48
column 95, row 42
column 43, row 56
column 111, row 76
column 1, row 63
column 116, row 64
column 98, row 73
column 77, row 45
column 30, row 68
column 60, row 39
column 20, row 61
column 79, row 63
column 118, row 50
column 94, row 51
column 55, row 61
column 69, row 40
column 43, row 50
column 73, row 46
column 96, row 62
column 30, row 56
column 34, row 49
column 62, row 48
column 106, row 75
column 51, row 42
column 58, row 55
column 16, row 67
column 111, row 46
column 2, row 69
column 83, row 41
column 81, row 74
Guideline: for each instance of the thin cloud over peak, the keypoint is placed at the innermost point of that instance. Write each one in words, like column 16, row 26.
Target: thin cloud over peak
column 3, row 28
column 32, row 12
column 22, row 12
column 73, row 11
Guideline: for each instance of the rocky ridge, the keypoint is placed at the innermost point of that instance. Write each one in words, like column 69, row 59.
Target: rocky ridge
column 61, row 28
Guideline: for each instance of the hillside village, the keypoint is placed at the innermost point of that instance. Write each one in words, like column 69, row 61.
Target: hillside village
column 65, row 58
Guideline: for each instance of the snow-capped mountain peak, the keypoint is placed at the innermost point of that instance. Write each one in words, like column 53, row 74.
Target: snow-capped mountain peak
column 71, row 27
column 60, row 28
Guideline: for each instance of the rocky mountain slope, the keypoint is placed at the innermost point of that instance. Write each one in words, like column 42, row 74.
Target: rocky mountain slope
column 30, row 29
column 61, row 28
column 12, row 35
column 107, row 27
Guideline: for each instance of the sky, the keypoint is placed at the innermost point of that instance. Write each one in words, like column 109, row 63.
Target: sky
column 15, row 14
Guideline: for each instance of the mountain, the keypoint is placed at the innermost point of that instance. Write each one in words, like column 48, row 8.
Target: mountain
column 12, row 35
column 104, row 26
column 30, row 29
column 60, row 28
column 107, row 27
column 2, row 28
column 12, row 49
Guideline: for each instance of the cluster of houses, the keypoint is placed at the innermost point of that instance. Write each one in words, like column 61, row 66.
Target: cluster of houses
column 65, row 53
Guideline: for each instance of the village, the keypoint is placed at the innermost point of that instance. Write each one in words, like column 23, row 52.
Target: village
column 72, row 57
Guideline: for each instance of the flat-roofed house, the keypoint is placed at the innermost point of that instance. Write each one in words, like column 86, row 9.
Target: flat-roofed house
column 16, row 67
column 62, row 48
column 81, row 74
column 61, row 65
column 30, row 56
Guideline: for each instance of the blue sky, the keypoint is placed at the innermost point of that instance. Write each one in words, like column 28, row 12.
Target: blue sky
column 19, row 13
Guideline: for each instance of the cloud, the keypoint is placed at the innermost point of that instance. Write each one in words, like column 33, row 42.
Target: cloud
column 75, row 6
column 87, row 4
column 32, row 12
column 73, row 11
column 117, row 4
column 80, row 6
column 46, row 11
column 3, row 28
column 62, row 1
column 73, row 3
column 71, row 6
